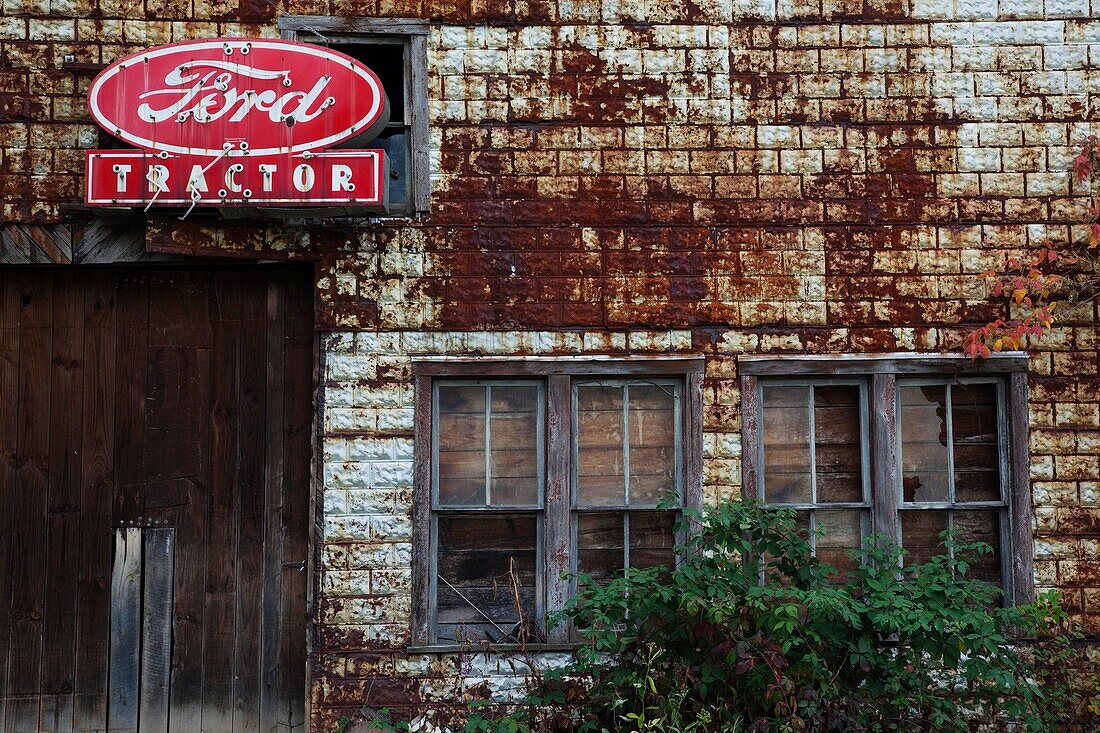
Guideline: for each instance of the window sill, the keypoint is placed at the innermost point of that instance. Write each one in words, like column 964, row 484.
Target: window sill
column 492, row 648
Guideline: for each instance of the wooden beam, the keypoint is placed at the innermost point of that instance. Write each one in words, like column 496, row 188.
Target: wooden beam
column 1023, row 539
column 542, row 366
column 824, row 365
column 156, row 632
column 884, row 456
column 557, row 503
column 125, row 631
column 422, row 510
column 327, row 24
column 750, row 439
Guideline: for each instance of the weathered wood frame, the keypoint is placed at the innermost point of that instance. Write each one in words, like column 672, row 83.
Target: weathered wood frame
column 951, row 506
column 452, row 510
column 557, row 542
column 883, row 374
column 412, row 34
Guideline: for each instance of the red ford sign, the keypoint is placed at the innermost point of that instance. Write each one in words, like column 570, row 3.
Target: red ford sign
column 235, row 121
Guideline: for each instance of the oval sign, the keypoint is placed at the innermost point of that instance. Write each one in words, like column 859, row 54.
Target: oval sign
column 264, row 96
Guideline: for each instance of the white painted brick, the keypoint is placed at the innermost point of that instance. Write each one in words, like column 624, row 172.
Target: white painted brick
column 1020, row 32
column 454, row 37
column 347, row 475
column 347, row 528
column 976, row 9
column 391, row 474
column 933, row 9
column 343, row 367
column 345, row 583
column 335, row 502
column 390, row 527
column 952, row 34
column 345, row 420
column 1065, row 57
column 370, row 449
column 395, row 419
column 1074, row 9
column 369, row 501
column 777, row 136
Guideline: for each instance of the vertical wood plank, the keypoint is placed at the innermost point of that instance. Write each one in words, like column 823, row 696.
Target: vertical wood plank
column 125, row 631
column 188, row 519
column 249, row 467
column 9, row 436
column 693, row 440
column 558, row 501
column 750, row 439
column 422, row 509
column 1023, row 539
column 175, row 465
column 29, row 530
column 221, row 573
column 417, row 102
column 884, row 456
column 131, row 386
column 63, row 503
column 293, row 654
column 273, row 713
column 156, row 629
column 96, row 490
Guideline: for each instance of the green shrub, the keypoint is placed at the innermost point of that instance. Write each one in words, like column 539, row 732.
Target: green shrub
column 710, row 646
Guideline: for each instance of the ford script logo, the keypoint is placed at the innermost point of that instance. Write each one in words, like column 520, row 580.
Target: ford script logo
column 261, row 96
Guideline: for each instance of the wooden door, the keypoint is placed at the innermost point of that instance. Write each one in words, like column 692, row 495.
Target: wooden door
column 154, row 482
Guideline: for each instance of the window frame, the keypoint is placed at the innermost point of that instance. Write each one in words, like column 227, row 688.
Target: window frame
column 884, row 374
column 412, row 34
column 557, row 551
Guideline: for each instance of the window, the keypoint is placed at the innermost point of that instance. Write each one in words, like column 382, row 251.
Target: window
column 530, row 470
column 396, row 50
column 903, row 445
column 814, row 442
column 626, row 451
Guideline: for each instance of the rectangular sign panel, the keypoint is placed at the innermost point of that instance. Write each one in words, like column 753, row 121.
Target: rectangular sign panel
column 330, row 178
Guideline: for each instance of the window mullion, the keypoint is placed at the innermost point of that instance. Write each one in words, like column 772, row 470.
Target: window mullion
column 949, row 397
column 812, row 437
column 488, row 446
column 559, row 543
column 626, row 444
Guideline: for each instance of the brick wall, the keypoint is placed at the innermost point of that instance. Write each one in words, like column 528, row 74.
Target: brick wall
column 629, row 176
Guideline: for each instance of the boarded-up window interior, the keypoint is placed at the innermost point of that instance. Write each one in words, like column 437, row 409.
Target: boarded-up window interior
column 489, row 439
column 952, row 453
column 627, row 453
column 814, row 460
column 488, row 477
column 487, row 577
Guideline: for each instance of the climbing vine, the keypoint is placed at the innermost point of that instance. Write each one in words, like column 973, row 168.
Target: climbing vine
column 1063, row 277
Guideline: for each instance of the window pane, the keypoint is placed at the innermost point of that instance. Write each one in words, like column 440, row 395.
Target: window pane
column 981, row 526
column 652, row 538
column 600, row 551
column 920, row 535
column 786, row 428
column 600, row 477
column 923, row 417
column 843, row 531
column 600, row 546
column 976, row 435
column 481, row 562
column 837, row 445
column 513, row 437
column 461, row 457
column 651, row 418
